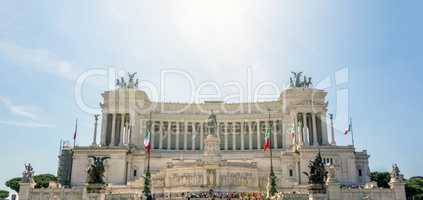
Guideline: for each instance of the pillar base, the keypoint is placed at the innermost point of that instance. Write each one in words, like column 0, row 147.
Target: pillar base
column 96, row 188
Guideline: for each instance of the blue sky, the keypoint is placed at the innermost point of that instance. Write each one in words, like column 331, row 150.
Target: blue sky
column 46, row 45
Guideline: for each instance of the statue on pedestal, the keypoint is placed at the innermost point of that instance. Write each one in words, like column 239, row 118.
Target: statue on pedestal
column 212, row 124
column 211, row 153
column 331, row 175
column 395, row 174
column 317, row 175
column 95, row 173
column 27, row 174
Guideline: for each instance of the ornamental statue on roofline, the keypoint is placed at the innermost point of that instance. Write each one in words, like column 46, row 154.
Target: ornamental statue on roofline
column 131, row 83
column 298, row 80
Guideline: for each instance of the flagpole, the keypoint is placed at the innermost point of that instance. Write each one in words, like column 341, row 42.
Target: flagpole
column 352, row 133
column 272, row 177
column 149, row 139
column 270, row 148
column 74, row 134
column 147, row 181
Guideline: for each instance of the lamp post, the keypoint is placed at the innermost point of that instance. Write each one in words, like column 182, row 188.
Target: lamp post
column 147, row 177
column 272, row 177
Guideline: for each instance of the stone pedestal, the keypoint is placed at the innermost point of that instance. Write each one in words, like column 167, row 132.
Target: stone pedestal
column 95, row 196
column 96, row 188
column 333, row 187
column 317, row 196
column 398, row 187
column 211, row 152
column 333, row 190
column 25, row 190
column 316, row 189
column 317, row 192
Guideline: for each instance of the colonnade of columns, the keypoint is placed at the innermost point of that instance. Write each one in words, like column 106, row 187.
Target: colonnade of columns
column 234, row 135
column 117, row 129
column 312, row 128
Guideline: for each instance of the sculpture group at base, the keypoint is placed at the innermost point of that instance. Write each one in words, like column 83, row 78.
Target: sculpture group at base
column 95, row 173
column 317, row 174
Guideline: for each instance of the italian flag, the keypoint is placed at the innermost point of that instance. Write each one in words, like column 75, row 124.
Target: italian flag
column 147, row 142
column 266, row 144
column 292, row 132
column 347, row 130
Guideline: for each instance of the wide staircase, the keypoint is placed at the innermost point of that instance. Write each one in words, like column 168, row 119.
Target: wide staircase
column 229, row 196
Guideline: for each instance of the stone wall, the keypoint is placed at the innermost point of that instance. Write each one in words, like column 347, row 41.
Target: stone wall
column 334, row 192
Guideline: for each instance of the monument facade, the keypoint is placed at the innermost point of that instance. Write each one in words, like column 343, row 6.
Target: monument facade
column 212, row 146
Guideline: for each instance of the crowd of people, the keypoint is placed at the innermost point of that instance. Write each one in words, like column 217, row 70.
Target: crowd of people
column 218, row 195
column 226, row 195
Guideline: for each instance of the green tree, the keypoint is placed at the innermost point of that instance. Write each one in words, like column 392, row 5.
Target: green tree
column 14, row 184
column 4, row 194
column 273, row 185
column 381, row 178
column 41, row 181
column 146, row 191
column 414, row 188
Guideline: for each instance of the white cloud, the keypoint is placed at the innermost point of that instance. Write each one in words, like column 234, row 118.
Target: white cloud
column 28, row 112
column 38, row 59
column 27, row 124
column 19, row 110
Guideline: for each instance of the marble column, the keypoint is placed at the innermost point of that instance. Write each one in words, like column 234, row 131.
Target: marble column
column 234, row 135
column 153, row 133
column 185, row 134
column 112, row 140
column 169, row 134
column 160, row 135
column 217, row 131
column 137, row 136
column 258, row 135
column 282, row 133
column 296, row 127
column 242, row 135
column 324, row 128
column 275, row 134
column 315, row 141
column 103, row 129
column 267, row 125
column 193, row 135
column 178, row 133
column 201, row 135
column 306, row 135
column 122, row 129
column 250, row 135
column 286, row 129
column 132, row 128
column 226, row 135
